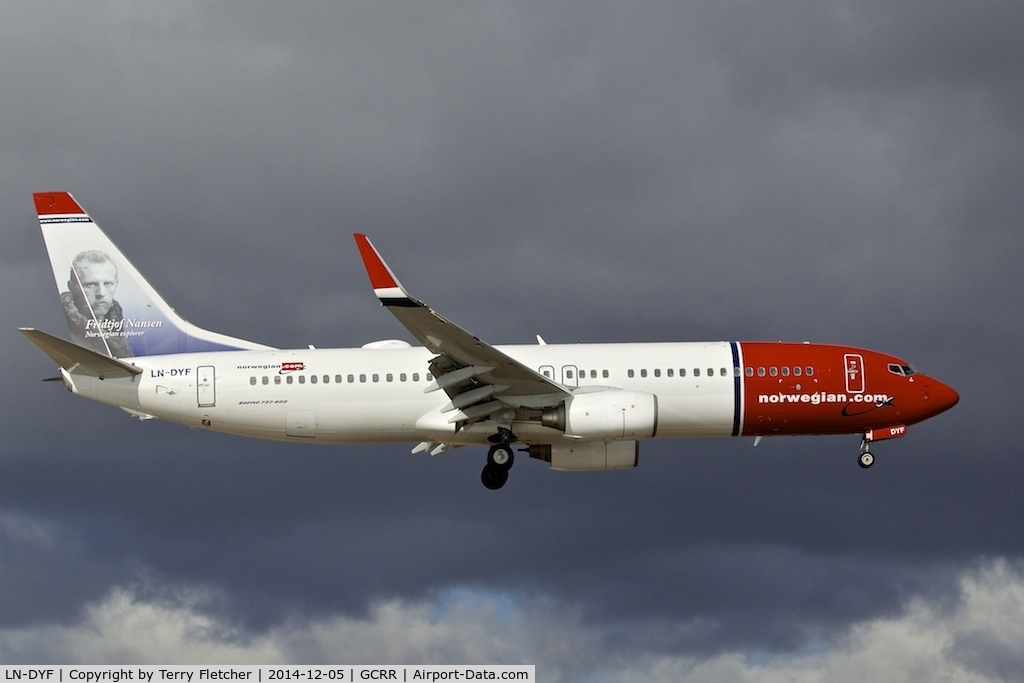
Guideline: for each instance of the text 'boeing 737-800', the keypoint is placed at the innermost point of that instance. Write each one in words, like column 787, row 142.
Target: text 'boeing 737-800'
column 578, row 407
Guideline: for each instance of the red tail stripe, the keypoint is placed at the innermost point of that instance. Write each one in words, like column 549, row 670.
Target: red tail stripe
column 49, row 203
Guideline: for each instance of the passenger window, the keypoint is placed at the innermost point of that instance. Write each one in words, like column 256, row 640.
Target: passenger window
column 351, row 379
column 760, row 371
column 629, row 372
column 796, row 371
column 312, row 379
column 785, row 371
column 252, row 381
column 277, row 379
column 773, row 371
column 302, row 379
column 265, row 380
column 568, row 374
column 749, row 371
column 362, row 378
column 289, row 379
column 696, row 372
column 337, row 379
column 643, row 373
column 682, row 372
column 376, row 377
column 389, row 377
column 657, row 372
column 670, row 372
column 327, row 379
column 430, row 377
column 723, row 372
column 403, row 377
column 736, row 372
column 415, row 377
column 808, row 371
column 593, row 374
column 547, row 373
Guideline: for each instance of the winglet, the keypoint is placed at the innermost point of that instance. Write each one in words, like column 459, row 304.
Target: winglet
column 385, row 285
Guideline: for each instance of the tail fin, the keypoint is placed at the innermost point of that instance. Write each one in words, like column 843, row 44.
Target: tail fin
column 110, row 307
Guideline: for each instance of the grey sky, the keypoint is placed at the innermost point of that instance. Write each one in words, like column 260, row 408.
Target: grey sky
column 840, row 171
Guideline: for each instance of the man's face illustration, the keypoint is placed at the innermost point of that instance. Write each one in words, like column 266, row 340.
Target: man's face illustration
column 99, row 284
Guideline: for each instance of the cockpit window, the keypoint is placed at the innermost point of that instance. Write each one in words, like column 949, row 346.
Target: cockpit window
column 902, row 370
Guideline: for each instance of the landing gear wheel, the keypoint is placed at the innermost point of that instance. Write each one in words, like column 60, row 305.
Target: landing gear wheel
column 866, row 459
column 500, row 456
column 499, row 459
column 494, row 477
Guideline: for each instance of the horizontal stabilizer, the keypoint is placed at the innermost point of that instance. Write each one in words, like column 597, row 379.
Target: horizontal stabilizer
column 77, row 359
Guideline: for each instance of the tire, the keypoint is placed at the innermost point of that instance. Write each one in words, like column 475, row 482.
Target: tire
column 500, row 456
column 866, row 459
column 494, row 477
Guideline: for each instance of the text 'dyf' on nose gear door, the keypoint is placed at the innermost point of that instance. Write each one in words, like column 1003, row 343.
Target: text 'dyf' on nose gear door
column 206, row 390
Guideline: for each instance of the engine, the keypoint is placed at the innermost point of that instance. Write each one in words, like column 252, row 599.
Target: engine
column 588, row 456
column 607, row 414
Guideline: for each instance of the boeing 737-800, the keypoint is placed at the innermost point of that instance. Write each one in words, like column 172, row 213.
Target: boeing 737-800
column 578, row 406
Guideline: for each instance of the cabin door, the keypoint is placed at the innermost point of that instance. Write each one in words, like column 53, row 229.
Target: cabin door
column 854, row 363
column 206, row 386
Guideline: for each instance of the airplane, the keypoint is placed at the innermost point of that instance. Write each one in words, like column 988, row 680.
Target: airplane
column 579, row 407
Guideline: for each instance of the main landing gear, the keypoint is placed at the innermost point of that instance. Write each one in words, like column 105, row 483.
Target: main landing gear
column 499, row 460
column 866, row 459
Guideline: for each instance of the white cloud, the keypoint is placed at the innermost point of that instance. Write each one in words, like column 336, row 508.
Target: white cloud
column 460, row 628
column 975, row 638
column 122, row 629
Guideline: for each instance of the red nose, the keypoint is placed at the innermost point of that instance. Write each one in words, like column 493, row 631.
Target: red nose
column 939, row 397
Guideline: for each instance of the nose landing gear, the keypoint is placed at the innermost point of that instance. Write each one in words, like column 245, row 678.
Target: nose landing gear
column 866, row 459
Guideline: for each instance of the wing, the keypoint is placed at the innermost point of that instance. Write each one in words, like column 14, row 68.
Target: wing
column 482, row 382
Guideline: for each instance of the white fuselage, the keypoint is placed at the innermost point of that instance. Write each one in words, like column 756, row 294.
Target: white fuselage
column 367, row 395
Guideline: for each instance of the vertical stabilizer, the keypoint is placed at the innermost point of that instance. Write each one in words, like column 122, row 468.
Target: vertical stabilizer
column 110, row 307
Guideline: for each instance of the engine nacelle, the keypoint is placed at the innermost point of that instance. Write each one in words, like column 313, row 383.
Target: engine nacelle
column 589, row 456
column 607, row 414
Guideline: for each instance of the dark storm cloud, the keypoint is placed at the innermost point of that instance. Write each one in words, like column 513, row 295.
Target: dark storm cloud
column 843, row 172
